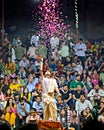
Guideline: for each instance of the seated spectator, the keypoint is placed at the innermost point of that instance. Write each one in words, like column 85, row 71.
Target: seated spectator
column 77, row 66
column 68, row 67
column 96, row 58
column 88, row 84
column 26, row 95
column 16, row 98
column 34, row 94
column 100, row 108
column 2, row 104
column 53, row 65
column 32, row 52
column 8, row 94
column 29, row 71
column 67, row 60
column 94, row 47
column 61, row 80
column 1, row 95
column 41, row 50
column 2, row 65
column 10, row 66
column 77, row 93
column 89, row 113
column 14, row 86
column 64, row 51
column 66, row 95
column 63, row 118
column 84, row 75
column 95, row 94
column 12, row 74
column 88, row 63
column 32, row 65
column 75, row 120
column 68, row 75
column 39, row 86
column 23, row 110
column 31, row 84
column 21, row 80
column 56, row 54
column 73, row 75
column 61, row 104
column 24, row 62
column 10, row 112
column 22, row 72
column 33, row 117
column 75, row 59
column 69, row 115
column 6, row 80
column 94, row 77
column 82, row 104
column 85, row 117
column 73, row 84
column 35, row 78
column 38, row 105
column 102, row 75
column 101, row 117
column 4, row 87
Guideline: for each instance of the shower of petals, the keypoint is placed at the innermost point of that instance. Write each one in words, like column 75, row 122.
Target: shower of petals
column 50, row 19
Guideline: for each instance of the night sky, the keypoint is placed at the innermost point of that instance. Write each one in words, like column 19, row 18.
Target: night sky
column 89, row 10
column 13, row 8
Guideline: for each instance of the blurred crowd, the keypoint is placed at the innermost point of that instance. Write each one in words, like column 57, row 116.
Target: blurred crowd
column 78, row 68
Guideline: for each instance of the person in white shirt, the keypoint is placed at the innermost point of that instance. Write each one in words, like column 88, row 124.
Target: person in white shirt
column 80, row 49
column 54, row 41
column 95, row 95
column 32, row 52
column 24, row 62
column 38, row 105
column 49, row 86
column 64, row 51
column 82, row 104
column 13, row 55
column 35, row 39
column 77, row 67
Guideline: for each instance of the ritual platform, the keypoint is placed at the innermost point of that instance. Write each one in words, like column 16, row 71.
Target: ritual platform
column 50, row 125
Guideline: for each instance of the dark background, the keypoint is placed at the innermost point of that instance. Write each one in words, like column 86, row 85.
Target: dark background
column 91, row 16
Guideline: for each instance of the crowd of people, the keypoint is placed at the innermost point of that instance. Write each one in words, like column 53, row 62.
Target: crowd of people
column 76, row 70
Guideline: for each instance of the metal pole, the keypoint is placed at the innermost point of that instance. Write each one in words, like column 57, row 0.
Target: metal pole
column 76, row 18
column 2, row 23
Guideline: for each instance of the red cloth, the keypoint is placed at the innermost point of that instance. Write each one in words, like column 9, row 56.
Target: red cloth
column 60, row 69
column 45, row 68
column 50, row 124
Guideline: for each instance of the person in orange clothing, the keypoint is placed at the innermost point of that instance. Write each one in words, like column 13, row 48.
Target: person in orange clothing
column 39, row 85
column 14, row 86
column 10, row 112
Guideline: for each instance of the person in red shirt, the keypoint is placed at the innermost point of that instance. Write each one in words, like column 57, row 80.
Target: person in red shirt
column 45, row 66
column 60, row 67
